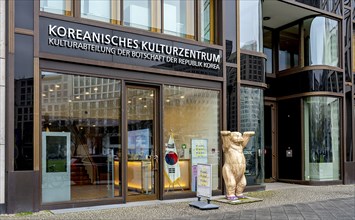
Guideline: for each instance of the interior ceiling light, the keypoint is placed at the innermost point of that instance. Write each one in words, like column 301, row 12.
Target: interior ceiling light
column 140, row 98
column 95, row 89
column 43, row 94
column 57, row 86
column 87, row 93
column 152, row 95
column 51, row 90
column 78, row 97
column 182, row 97
column 168, row 100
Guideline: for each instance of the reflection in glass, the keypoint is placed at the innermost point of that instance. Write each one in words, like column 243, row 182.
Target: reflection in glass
column 232, row 99
column 56, row 155
column 250, row 25
column 230, row 18
column 322, row 138
column 62, row 7
column 88, row 109
column 179, row 18
column 141, row 151
column 191, row 123
column 267, row 42
column 143, row 14
column 99, row 10
column 252, row 119
column 23, row 102
column 207, row 21
column 289, row 48
column 321, row 42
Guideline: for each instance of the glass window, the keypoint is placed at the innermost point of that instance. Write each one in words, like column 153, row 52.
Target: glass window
column 100, row 10
column 143, row 14
column 191, row 122
column 322, row 138
column 23, row 102
column 207, row 21
column 62, row 7
column 250, row 25
column 81, row 143
column 252, row 119
column 267, row 42
column 230, row 18
column 289, row 48
column 321, row 42
column 179, row 18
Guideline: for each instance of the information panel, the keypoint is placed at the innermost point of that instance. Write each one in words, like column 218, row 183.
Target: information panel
column 204, row 180
column 198, row 155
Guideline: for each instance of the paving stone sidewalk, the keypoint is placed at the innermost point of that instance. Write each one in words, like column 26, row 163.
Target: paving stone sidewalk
column 335, row 209
column 279, row 202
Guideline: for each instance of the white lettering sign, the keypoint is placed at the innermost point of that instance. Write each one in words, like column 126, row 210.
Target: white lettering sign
column 61, row 36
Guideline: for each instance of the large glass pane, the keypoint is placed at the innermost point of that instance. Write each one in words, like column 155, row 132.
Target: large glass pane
column 179, row 18
column 142, row 155
column 191, row 124
column 252, row 119
column 23, row 103
column 321, row 42
column 322, row 138
column 62, row 7
column 207, row 21
column 230, row 18
column 250, row 25
column 143, row 14
column 289, row 48
column 96, row 9
column 267, row 42
column 81, row 137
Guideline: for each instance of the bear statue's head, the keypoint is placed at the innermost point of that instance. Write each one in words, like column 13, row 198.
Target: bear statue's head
column 237, row 137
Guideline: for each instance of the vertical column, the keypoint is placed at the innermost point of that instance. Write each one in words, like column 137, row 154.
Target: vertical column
column 2, row 102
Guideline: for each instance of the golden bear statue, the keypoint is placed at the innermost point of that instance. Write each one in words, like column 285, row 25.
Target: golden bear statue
column 234, row 164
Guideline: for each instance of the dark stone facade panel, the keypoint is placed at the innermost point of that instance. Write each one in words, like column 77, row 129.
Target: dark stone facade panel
column 307, row 81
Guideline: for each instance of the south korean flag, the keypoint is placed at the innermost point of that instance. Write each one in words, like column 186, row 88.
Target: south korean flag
column 171, row 165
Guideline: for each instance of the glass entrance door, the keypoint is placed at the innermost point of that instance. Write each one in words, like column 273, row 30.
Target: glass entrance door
column 142, row 150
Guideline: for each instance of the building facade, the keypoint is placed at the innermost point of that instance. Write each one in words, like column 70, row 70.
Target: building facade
column 114, row 101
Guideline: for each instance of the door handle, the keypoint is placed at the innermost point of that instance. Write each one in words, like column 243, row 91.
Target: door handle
column 154, row 161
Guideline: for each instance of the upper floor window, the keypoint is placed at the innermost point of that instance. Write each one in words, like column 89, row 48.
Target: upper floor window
column 207, row 20
column 179, row 18
column 149, row 14
column 230, row 15
column 321, row 42
column 250, row 25
column 100, row 10
column 289, row 45
column 62, row 7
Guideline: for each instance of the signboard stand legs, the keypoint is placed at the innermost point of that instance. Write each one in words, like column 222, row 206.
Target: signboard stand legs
column 203, row 205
